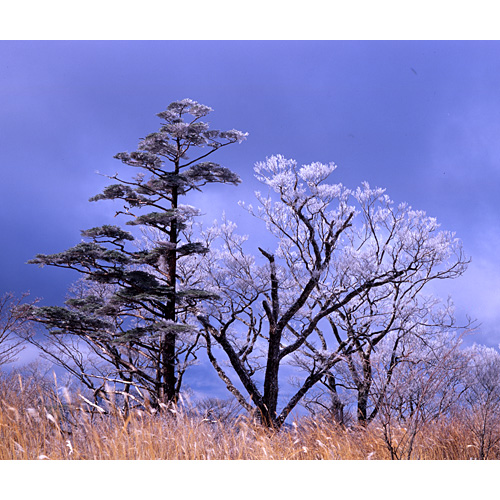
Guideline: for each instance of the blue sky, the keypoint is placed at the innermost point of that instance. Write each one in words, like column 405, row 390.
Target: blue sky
column 420, row 118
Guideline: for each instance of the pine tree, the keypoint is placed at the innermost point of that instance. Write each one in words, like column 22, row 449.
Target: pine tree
column 144, row 314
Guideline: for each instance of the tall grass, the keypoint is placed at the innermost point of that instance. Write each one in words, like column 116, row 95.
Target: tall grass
column 36, row 422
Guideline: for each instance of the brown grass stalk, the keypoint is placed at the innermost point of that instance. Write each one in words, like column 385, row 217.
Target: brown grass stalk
column 37, row 423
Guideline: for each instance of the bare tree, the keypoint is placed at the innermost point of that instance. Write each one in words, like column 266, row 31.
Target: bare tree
column 335, row 249
column 14, row 326
column 482, row 399
column 427, row 386
column 399, row 323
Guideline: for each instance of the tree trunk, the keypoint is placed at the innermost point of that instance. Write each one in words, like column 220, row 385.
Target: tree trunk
column 362, row 405
column 271, row 384
column 168, row 347
column 336, row 405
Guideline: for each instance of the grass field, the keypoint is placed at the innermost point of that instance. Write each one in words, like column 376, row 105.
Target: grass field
column 36, row 423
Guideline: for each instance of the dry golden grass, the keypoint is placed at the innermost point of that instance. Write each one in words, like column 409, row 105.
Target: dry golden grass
column 32, row 427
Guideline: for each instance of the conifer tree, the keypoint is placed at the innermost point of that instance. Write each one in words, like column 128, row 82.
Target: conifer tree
column 144, row 314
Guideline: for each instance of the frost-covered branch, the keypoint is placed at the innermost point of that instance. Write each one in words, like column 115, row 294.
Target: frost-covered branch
column 347, row 259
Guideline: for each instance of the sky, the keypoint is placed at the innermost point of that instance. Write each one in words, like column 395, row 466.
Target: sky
column 419, row 118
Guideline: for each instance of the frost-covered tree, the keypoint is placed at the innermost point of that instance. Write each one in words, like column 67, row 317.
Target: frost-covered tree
column 14, row 326
column 403, row 327
column 482, row 398
column 139, row 325
column 426, row 386
column 335, row 250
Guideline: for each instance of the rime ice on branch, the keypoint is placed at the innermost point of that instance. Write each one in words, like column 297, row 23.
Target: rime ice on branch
column 335, row 250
